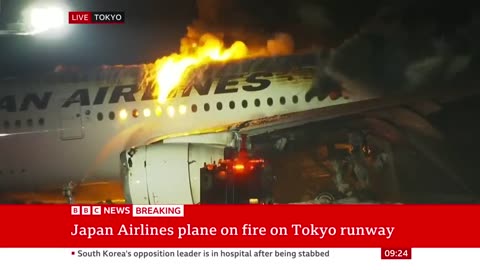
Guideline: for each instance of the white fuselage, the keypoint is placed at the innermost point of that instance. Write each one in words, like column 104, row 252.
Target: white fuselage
column 46, row 147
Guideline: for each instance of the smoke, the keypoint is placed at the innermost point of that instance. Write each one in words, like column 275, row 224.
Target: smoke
column 272, row 28
column 197, row 37
column 229, row 21
column 365, row 49
column 281, row 44
column 281, row 28
column 407, row 49
column 315, row 15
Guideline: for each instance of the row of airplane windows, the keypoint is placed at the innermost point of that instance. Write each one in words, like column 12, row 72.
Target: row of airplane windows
column 18, row 123
column 182, row 109
column 123, row 114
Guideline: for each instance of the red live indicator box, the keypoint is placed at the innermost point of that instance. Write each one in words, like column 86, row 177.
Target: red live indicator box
column 396, row 253
column 104, row 17
column 79, row 17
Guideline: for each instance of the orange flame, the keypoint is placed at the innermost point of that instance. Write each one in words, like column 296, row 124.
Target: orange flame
column 169, row 71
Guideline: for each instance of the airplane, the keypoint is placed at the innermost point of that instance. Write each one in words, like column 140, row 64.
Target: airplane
column 69, row 128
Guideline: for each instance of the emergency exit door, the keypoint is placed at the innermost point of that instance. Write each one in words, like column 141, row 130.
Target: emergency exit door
column 71, row 127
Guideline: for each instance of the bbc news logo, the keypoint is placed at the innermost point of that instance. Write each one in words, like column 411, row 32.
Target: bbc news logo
column 86, row 17
column 86, row 210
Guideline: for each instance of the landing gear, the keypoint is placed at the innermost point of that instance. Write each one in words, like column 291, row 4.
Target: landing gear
column 68, row 192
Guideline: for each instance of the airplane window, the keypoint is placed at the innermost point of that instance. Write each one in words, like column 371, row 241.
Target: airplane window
column 147, row 112
column 194, row 108
column 270, row 101
column 257, row 102
column 158, row 111
column 206, row 107
column 41, row 121
column 135, row 113
column 18, row 123
column 182, row 109
column 29, row 122
column 232, row 105
column 87, row 112
column 6, row 124
column 171, row 111
column 295, row 99
column 219, row 106
column 282, row 100
column 244, row 104
column 111, row 115
column 100, row 116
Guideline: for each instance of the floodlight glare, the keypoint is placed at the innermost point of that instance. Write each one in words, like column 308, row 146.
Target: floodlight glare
column 44, row 19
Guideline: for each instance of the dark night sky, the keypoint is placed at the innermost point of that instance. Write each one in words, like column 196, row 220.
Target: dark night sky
column 151, row 31
column 154, row 28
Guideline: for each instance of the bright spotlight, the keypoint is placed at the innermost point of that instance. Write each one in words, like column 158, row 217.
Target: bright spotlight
column 41, row 19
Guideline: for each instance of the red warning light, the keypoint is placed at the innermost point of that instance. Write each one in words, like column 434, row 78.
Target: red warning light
column 210, row 167
column 222, row 175
column 238, row 167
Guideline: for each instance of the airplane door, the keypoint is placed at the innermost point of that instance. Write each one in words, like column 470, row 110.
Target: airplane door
column 71, row 126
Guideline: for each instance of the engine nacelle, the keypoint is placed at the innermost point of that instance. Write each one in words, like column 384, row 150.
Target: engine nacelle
column 166, row 173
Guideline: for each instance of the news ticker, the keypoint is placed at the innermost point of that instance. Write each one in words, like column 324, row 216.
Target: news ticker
column 237, row 258
column 99, row 17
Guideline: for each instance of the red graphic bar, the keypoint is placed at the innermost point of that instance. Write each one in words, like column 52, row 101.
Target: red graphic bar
column 301, row 226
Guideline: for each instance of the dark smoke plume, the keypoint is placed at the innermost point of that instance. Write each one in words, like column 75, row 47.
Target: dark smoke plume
column 230, row 21
column 408, row 48
column 370, row 47
column 311, row 23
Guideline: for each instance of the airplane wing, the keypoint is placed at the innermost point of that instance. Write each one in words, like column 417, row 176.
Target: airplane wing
column 271, row 124
column 417, row 101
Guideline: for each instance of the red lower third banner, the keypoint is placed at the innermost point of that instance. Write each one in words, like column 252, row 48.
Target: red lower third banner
column 383, row 226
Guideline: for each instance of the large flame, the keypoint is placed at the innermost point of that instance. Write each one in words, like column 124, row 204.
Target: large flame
column 197, row 49
column 170, row 70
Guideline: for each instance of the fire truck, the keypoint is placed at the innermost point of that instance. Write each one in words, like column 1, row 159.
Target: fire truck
column 239, row 178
